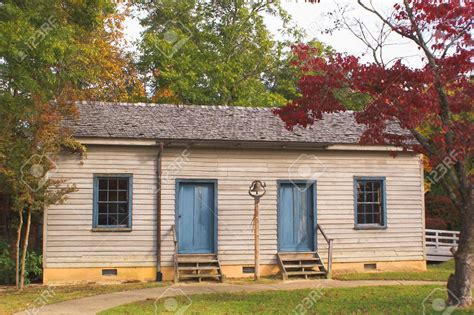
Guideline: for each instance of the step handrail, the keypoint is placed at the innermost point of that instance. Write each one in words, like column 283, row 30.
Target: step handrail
column 329, row 241
column 175, row 256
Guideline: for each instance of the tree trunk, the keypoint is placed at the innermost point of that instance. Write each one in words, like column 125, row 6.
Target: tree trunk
column 459, row 283
column 17, row 247
column 25, row 248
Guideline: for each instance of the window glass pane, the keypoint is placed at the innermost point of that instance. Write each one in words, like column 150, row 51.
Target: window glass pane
column 369, row 202
column 103, row 184
column 369, row 197
column 122, row 219
column 371, row 213
column 102, row 208
column 377, row 197
column 122, row 196
column 362, row 213
column 113, row 219
column 113, row 208
column 113, row 184
column 377, row 185
column 113, row 195
column 377, row 218
column 102, row 219
column 123, row 183
column 123, row 208
column 360, row 218
column 102, row 195
column 360, row 196
column 376, row 208
column 367, row 186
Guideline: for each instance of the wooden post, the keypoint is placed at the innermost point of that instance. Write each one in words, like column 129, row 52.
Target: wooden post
column 329, row 271
column 256, row 191
column 175, row 255
column 257, row 239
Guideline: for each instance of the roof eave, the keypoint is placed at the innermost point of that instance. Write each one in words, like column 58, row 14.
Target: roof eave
column 256, row 144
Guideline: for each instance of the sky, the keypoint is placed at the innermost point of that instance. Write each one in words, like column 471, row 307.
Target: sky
column 314, row 17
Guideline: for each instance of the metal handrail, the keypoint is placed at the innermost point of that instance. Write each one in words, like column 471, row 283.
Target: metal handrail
column 175, row 240
column 329, row 241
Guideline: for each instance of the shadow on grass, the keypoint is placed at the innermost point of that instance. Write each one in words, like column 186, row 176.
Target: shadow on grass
column 434, row 272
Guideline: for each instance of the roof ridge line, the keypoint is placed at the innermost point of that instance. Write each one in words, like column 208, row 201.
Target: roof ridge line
column 173, row 105
column 145, row 104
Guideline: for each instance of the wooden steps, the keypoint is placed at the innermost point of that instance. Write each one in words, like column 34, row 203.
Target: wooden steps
column 199, row 277
column 198, row 267
column 304, row 264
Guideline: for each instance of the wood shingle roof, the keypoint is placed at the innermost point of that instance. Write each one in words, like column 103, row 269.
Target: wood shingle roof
column 213, row 123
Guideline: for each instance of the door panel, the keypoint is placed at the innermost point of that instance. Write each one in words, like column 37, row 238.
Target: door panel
column 196, row 218
column 295, row 218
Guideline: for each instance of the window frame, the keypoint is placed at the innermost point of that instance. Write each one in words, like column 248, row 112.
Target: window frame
column 371, row 226
column 95, row 221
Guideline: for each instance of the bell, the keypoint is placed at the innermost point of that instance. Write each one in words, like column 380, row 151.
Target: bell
column 257, row 188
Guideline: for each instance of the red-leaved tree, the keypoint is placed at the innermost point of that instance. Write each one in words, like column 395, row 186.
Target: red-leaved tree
column 434, row 103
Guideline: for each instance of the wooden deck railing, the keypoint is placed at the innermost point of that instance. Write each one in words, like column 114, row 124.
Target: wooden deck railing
column 176, row 250
column 439, row 244
column 329, row 241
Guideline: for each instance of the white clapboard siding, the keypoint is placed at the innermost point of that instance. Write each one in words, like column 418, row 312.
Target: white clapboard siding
column 236, row 169
column 70, row 242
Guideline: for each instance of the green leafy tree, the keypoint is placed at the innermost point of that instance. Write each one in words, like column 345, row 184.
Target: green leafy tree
column 215, row 52
column 349, row 99
column 51, row 54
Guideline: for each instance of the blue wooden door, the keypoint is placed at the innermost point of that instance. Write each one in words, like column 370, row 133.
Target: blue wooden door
column 196, row 217
column 296, row 218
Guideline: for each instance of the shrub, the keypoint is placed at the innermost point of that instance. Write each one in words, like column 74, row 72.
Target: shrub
column 441, row 213
column 33, row 266
column 7, row 265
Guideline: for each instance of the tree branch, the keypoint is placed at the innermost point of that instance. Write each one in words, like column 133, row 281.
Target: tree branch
column 390, row 24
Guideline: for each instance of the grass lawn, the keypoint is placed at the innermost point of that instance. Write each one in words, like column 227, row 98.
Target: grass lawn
column 438, row 272
column 362, row 300
column 12, row 301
